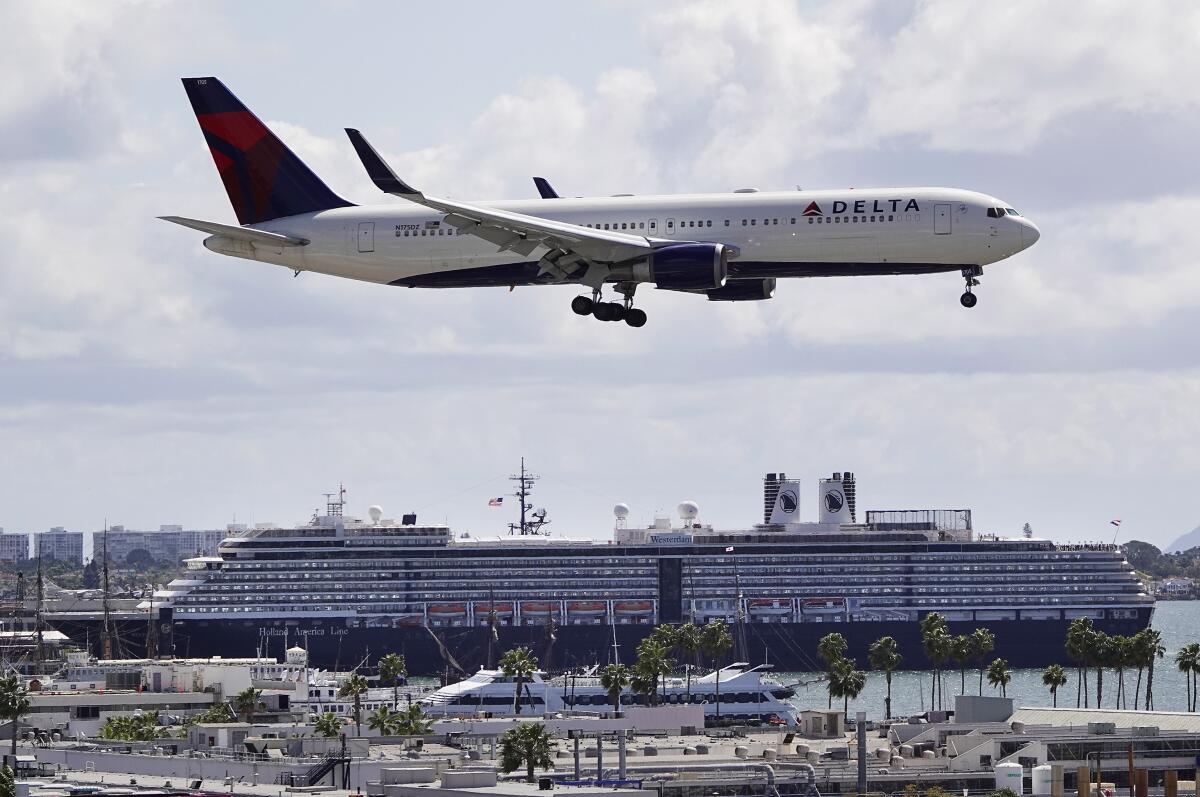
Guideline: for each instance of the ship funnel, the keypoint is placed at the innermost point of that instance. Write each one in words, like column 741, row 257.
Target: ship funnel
column 834, row 501
column 786, row 508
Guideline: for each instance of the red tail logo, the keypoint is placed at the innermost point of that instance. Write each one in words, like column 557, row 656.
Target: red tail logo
column 813, row 209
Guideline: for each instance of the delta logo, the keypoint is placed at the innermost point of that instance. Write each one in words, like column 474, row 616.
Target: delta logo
column 813, row 209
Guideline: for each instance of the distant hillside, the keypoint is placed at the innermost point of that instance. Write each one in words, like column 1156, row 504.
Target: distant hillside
column 1189, row 540
column 1150, row 560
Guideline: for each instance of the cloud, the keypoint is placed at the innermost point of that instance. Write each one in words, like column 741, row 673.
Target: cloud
column 212, row 375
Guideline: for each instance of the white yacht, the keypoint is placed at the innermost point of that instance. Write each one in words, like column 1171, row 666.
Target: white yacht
column 747, row 695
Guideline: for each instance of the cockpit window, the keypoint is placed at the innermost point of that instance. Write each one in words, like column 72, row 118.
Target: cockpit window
column 996, row 213
column 1011, row 212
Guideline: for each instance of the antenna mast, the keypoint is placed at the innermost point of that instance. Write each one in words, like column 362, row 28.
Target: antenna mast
column 531, row 522
column 41, row 648
column 107, row 639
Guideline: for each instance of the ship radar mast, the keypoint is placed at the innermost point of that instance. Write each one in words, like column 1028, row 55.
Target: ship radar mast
column 531, row 521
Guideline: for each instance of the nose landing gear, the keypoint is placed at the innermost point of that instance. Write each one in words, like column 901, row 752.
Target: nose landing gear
column 611, row 311
column 969, row 299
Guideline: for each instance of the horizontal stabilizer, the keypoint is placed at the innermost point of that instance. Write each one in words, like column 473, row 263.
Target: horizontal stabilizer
column 237, row 233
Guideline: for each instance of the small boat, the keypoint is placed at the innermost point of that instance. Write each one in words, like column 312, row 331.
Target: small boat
column 769, row 606
column 823, row 605
column 587, row 608
column 538, row 608
column 502, row 609
column 443, row 611
column 633, row 608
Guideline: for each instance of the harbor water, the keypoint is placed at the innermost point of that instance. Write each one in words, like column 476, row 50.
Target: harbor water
column 1177, row 621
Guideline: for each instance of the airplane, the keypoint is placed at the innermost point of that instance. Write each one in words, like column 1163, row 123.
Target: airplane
column 724, row 246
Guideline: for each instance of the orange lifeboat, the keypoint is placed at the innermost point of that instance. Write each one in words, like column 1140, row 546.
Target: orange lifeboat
column 446, row 611
column 769, row 606
column 823, row 605
column 538, row 608
column 502, row 609
column 587, row 608
column 633, row 608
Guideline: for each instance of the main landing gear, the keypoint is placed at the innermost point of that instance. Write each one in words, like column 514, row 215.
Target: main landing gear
column 969, row 299
column 610, row 311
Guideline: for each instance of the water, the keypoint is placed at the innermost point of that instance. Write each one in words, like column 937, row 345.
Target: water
column 1177, row 621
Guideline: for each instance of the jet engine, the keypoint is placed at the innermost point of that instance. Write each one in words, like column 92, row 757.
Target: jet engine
column 743, row 291
column 690, row 267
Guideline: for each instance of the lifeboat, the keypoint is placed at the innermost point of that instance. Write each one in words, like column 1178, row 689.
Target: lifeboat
column 769, row 606
column 633, row 608
column 502, row 609
column 411, row 619
column 446, row 611
column 538, row 608
column 587, row 608
column 823, row 605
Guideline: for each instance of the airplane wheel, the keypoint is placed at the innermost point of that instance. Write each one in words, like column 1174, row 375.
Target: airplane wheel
column 601, row 311
column 617, row 312
column 968, row 299
column 582, row 305
column 635, row 317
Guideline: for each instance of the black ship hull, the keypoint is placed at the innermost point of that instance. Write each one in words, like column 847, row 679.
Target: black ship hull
column 333, row 644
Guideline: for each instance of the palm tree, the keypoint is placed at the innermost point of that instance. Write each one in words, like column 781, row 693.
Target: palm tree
column 1078, row 644
column 1154, row 650
column 1100, row 649
column 1122, row 654
column 644, row 682
column 999, row 675
column 1054, row 676
column 983, row 642
column 832, row 649
column 960, row 651
column 885, row 655
column 411, row 721
column 652, row 659
column 14, row 704
column 383, row 719
column 393, row 669
column 614, row 678
column 518, row 664
column 527, row 744
column 715, row 641
column 355, row 686
column 937, row 647
column 846, row 682
column 688, row 640
column 1187, row 661
column 246, row 702
column 935, row 636
column 328, row 725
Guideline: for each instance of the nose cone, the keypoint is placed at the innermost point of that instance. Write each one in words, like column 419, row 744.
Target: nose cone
column 1029, row 233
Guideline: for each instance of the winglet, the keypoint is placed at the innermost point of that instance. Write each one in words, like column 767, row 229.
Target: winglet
column 380, row 173
column 544, row 188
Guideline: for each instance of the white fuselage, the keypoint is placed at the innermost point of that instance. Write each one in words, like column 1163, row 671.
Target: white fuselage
column 846, row 232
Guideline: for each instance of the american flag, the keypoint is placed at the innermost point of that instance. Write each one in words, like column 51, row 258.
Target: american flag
column 1116, row 523
column 729, row 549
column 496, row 501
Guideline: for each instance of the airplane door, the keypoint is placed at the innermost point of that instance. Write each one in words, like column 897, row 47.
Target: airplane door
column 941, row 219
column 669, row 230
column 366, row 236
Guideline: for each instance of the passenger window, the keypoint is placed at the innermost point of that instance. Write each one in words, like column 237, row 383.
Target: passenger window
column 623, row 227
column 743, row 222
column 406, row 233
column 641, row 225
column 872, row 218
column 889, row 217
column 753, row 222
column 652, row 225
column 606, row 226
column 793, row 221
column 726, row 222
column 775, row 222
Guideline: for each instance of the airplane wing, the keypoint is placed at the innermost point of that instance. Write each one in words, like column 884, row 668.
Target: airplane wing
column 576, row 246
column 247, row 234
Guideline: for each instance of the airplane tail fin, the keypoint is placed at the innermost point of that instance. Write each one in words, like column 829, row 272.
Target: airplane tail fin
column 264, row 179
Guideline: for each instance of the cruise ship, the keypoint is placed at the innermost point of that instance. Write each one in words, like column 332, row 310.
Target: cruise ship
column 350, row 590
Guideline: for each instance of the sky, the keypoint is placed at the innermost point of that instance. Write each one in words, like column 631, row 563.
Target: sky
column 147, row 381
